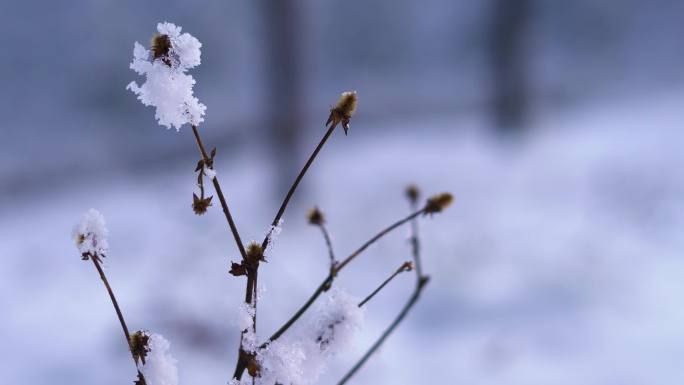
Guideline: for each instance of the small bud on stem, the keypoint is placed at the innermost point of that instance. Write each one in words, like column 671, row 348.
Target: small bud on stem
column 343, row 110
column 437, row 203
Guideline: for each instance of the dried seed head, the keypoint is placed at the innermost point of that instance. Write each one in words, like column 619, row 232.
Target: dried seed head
column 140, row 345
column 412, row 193
column 407, row 266
column 253, row 366
column 160, row 47
column 347, row 104
column 315, row 216
column 200, row 205
column 254, row 252
column 343, row 110
column 438, row 202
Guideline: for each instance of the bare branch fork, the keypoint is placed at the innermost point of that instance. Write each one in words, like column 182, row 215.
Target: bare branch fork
column 421, row 280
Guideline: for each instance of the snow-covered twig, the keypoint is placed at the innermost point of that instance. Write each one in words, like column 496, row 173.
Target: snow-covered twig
column 341, row 113
column 91, row 240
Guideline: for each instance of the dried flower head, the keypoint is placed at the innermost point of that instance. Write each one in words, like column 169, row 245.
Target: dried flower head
column 315, row 216
column 90, row 235
column 412, row 193
column 200, row 205
column 406, row 266
column 254, row 252
column 343, row 110
column 253, row 366
column 140, row 345
column 160, row 47
column 168, row 87
column 438, row 202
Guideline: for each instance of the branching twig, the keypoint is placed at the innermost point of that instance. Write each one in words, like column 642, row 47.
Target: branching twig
column 442, row 201
column 322, row 287
column 406, row 266
column 219, row 192
column 119, row 314
column 388, row 331
column 252, row 276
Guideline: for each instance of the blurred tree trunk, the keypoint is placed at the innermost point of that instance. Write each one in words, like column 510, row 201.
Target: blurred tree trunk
column 283, row 85
column 508, row 57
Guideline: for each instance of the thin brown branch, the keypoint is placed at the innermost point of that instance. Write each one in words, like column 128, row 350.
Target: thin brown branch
column 219, row 192
column 406, row 266
column 376, row 238
column 252, row 276
column 420, row 284
column 326, row 282
column 328, row 244
column 119, row 314
column 298, row 179
column 415, row 243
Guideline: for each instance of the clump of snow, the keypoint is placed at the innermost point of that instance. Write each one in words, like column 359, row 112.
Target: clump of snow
column 302, row 356
column 160, row 366
column 338, row 318
column 91, row 234
column 210, row 172
column 283, row 362
column 167, row 86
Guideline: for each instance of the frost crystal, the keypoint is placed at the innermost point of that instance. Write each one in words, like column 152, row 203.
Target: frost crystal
column 337, row 321
column 282, row 362
column 301, row 358
column 160, row 366
column 210, row 173
column 272, row 234
column 91, row 233
column 167, row 87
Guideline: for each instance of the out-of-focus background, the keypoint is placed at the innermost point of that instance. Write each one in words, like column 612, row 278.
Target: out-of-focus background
column 557, row 126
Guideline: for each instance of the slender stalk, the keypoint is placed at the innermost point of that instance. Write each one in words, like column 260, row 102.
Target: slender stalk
column 415, row 244
column 219, row 192
column 421, row 281
column 376, row 237
column 387, row 332
column 299, row 178
column 406, row 266
column 326, row 282
column 252, row 276
column 328, row 244
column 119, row 314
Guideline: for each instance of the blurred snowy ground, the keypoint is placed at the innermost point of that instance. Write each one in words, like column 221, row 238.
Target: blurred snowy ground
column 559, row 263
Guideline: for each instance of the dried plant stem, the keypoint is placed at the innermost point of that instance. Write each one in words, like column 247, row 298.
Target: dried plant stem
column 326, row 282
column 119, row 314
column 421, row 281
column 376, row 237
column 388, row 331
column 219, row 192
column 297, row 180
column 252, row 276
column 328, row 244
column 415, row 244
column 406, row 266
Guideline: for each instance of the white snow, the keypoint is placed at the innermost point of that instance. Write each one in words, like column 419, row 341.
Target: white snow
column 168, row 87
column 91, row 234
column 210, row 172
column 336, row 322
column 160, row 366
